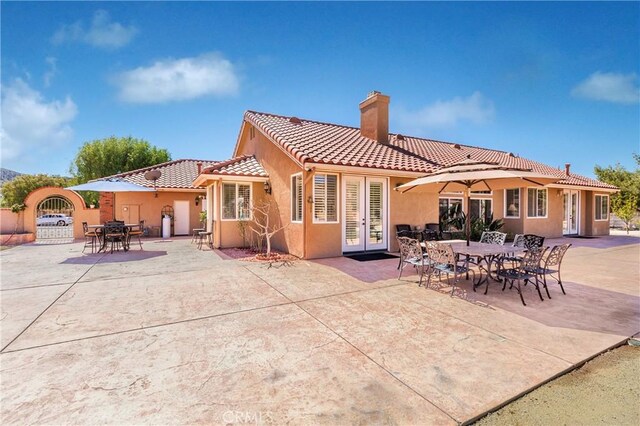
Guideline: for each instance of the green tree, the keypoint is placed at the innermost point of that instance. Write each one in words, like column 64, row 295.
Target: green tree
column 15, row 191
column 625, row 203
column 111, row 156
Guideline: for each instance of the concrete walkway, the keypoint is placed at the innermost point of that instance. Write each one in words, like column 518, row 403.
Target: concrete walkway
column 171, row 334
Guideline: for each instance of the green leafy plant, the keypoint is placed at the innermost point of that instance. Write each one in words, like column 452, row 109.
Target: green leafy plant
column 16, row 191
column 203, row 217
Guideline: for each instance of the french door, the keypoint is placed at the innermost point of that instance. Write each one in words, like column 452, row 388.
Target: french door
column 570, row 205
column 364, row 226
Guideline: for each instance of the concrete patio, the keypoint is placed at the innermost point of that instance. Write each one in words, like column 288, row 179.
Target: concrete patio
column 172, row 334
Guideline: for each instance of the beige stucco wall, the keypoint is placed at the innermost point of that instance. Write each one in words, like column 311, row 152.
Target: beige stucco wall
column 551, row 226
column 8, row 221
column 280, row 167
column 416, row 208
column 81, row 213
column 150, row 206
column 593, row 226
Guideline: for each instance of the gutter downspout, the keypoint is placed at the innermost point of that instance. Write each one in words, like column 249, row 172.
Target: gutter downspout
column 306, row 180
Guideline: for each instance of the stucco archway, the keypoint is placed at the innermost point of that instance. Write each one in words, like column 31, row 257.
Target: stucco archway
column 80, row 212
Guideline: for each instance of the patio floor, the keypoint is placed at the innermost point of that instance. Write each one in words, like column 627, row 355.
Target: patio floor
column 172, row 334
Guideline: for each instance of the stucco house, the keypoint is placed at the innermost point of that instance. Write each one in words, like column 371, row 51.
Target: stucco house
column 174, row 193
column 333, row 185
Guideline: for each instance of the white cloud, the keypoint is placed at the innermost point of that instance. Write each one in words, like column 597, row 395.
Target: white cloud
column 30, row 124
column 178, row 80
column 475, row 108
column 102, row 32
column 610, row 87
column 51, row 72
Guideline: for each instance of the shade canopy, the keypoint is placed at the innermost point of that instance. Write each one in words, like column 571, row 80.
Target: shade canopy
column 470, row 175
column 478, row 176
column 110, row 185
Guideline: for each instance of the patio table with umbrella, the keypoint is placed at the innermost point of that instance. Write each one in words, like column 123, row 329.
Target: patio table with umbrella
column 470, row 175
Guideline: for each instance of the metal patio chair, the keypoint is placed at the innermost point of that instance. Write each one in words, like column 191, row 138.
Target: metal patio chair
column 411, row 254
column 443, row 260
column 551, row 264
column 136, row 232
column 524, row 271
column 90, row 237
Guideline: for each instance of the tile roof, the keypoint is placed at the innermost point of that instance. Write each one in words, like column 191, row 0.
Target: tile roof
column 178, row 174
column 325, row 143
column 239, row 166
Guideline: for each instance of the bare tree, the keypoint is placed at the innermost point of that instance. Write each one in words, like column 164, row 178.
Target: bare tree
column 262, row 220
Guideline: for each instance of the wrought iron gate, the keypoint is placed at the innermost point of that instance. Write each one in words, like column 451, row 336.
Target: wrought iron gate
column 54, row 221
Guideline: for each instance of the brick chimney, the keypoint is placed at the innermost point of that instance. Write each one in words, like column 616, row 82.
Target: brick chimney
column 374, row 117
column 199, row 167
column 567, row 169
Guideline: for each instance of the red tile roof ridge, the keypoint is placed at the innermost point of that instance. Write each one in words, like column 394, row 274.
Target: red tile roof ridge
column 224, row 163
column 325, row 123
column 157, row 166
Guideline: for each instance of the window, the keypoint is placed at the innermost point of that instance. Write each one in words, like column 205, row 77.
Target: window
column 325, row 198
column 512, row 203
column 296, row 198
column 236, row 201
column 446, row 208
column 602, row 207
column 537, row 202
column 481, row 208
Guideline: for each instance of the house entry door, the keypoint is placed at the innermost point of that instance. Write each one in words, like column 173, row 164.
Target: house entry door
column 570, row 219
column 364, row 202
column 181, row 217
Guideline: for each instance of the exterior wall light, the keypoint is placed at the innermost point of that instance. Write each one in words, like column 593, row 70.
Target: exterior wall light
column 267, row 187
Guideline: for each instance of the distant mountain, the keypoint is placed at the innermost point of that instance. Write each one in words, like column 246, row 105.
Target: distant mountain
column 6, row 175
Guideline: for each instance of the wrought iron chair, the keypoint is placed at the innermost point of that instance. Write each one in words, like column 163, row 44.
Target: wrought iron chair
column 90, row 237
column 411, row 254
column 551, row 265
column 443, row 260
column 136, row 232
column 404, row 230
column 431, row 232
column 524, row 271
column 533, row 241
column 493, row 237
column 114, row 233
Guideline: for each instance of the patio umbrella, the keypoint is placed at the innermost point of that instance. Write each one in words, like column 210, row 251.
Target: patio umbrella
column 110, row 185
column 471, row 175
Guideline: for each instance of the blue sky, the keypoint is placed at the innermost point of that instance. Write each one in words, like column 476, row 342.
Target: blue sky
column 554, row 82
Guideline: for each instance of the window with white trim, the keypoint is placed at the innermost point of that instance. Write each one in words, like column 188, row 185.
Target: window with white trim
column 445, row 205
column 325, row 198
column 236, row 201
column 512, row 203
column 602, row 207
column 481, row 208
column 297, row 200
column 537, row 202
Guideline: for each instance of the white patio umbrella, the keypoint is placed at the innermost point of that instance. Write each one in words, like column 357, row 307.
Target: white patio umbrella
column 469, row 175
column 110, row 185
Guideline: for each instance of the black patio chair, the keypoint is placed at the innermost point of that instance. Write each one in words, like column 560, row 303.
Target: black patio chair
column 114, row 233
column 90, row 237
column 551, row 265
column 431, row 232
column 136, row 231
column 526, row 271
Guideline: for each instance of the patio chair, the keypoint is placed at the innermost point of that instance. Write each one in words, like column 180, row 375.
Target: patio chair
column 431, row 232
column 403, row 230
column 411, row 254
column 90, row 237
column 493, row 237
column 524, row 271
column 136, row 232
column 443, row 260
column 551, row 265
column 114, row 233
column 533, row 241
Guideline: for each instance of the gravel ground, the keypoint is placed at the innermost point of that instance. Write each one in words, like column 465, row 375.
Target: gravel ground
column 605, row 391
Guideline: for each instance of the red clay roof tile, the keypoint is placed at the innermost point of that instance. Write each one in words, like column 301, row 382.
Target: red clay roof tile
column 325, row 143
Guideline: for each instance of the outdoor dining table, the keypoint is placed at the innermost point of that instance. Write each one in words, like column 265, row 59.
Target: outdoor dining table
column 99, row 229
column 485, row 253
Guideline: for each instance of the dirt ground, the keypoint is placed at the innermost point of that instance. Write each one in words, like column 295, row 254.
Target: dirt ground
column 605, row 391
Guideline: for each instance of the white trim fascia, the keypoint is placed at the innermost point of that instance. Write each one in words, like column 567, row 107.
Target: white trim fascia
column 200, row 190
column 584, row 188
column 230, row 178
column 355, row 170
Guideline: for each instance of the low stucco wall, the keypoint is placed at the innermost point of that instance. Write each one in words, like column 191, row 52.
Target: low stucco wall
column 8, row 221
